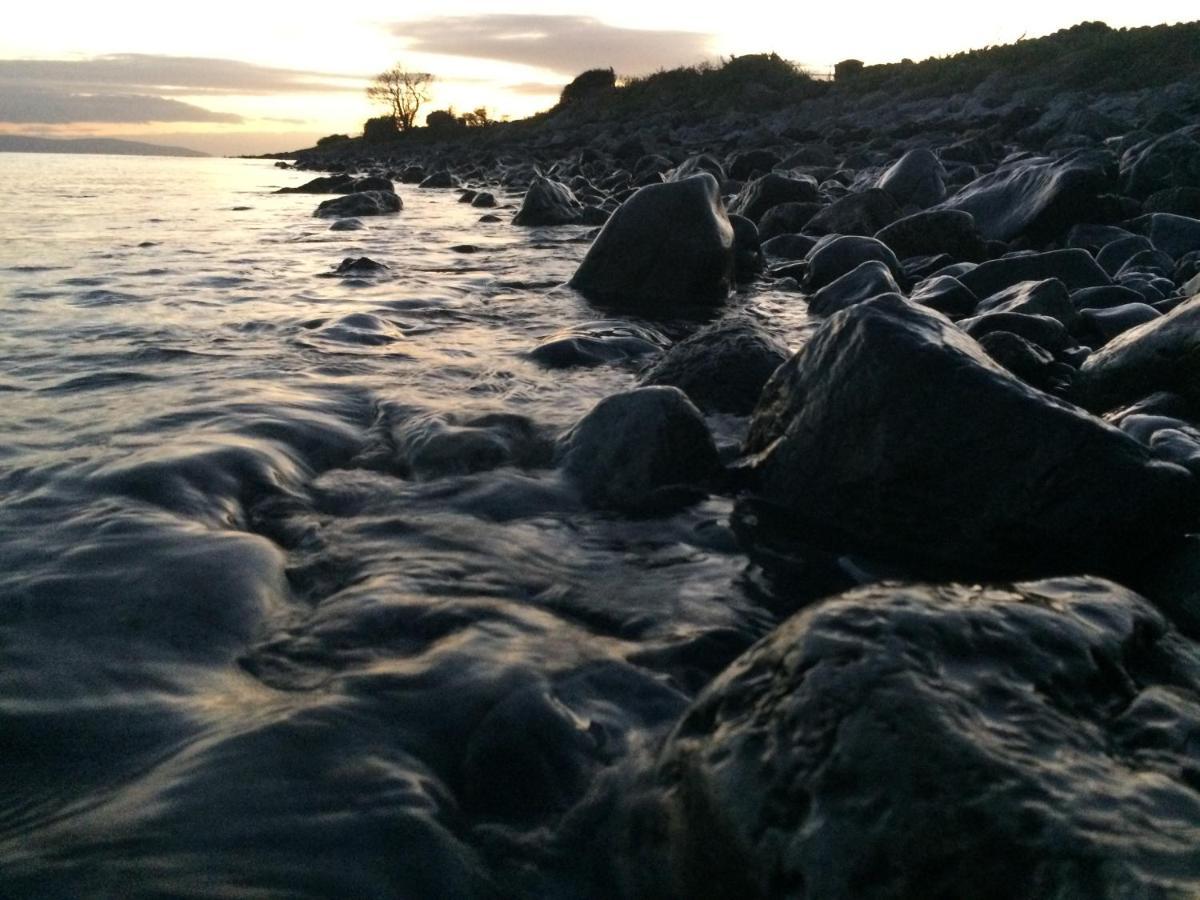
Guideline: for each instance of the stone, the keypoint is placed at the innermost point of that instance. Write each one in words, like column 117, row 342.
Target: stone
column 1048, row 297
column 746, row 163
column 748, row 255
column 832, row 257
column 1074, row 268
column 894, row 431
column 441, row 179
column 1179, row 201
column 786, row 218
column 341, row 184
column 641, row 451
column 436, row 446
column 1104, row 297
column 484, row 200
column 364, row 203
column 1037, row 198
column 597, row 343
column 863, row 213
column 949, row 231
column 1174, row 235
column 1029, row 362
column 360, row 266
column 1171, row 161
column 722, row 367
column 669, row 244
column 789, row 246
column 770, row 190
column 938, row 740
column 1047, row 333
column 947, row 295
column 1115, row 254
column 548, row 203
column 348, row 225
column 916, row 179
column 867, row 280
column 1161, row 355
column 1099, row 326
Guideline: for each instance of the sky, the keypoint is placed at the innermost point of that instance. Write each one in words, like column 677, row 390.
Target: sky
column 232, row 77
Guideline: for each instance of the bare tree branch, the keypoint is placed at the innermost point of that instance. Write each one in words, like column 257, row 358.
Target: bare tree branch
column 402, row 92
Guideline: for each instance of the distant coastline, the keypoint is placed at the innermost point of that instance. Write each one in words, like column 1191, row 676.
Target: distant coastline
column 12, row 143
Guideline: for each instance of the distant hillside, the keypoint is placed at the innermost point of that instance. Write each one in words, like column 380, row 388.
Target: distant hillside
column 12, row 143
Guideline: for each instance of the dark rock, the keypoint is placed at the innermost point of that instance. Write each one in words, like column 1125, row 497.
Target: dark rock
column 1179, row 201
column 490, row 219
column 867, row 280
column 1037, row 198
column 412, row 175
column 483, row 200
column 366, row 203
column 1171, row 581
column 1074, row 268
column 1049, row 297
column 436, row 446
column 743, row 165
column 441, row 179
column 1161, row 355
column 1047, row 333
column 748, row 256
column 466, row 196
column 1174, row 235
column 597, row 343
column 548, row 203
column 832, row 257
column 668, row 244
column 947, row 295
column 863, row 213
column 695, row 165
column 895, row 430
column 789, row 246
column 948, row 231
column 640, row 451
column 360, row 266
column 1171, row 161
column 919, row 741
column 769, row 191
column 722, row 367
column 347, row 225
column 1029, row 362
column 1104, row 297
column 1114, row 255
column 916, row 179
column 1093, row 238
column 786, row 218
column 341, row 184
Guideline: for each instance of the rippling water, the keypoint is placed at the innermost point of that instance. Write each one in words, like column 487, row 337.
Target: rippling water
column 249, row 646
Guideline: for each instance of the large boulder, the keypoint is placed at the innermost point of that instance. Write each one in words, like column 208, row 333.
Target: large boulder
column 867, row 280
column 1037, row 198
column 909, row 741
column 1161, row 355
column 832, row 257
column 916, row 179
column 1048, row 297
column 1074, row 268
column 639, row 451
column 668, row 244
column 935, row 231
column 894, row 432
column 722, row 367
column 1171, row 161
column 341, row 184
column 769, row 191
column 548, row 203
column 363, row 203
column 1174, row 235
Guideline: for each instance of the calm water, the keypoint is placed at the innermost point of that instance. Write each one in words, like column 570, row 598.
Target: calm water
column 247, row 647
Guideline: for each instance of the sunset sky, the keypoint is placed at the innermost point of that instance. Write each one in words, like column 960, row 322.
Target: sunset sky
column 242, row 77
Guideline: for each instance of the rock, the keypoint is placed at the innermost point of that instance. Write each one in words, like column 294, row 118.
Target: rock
column 786, row 218
column 1093, row 238
column 1102, row 325
column 597, row 343
column 722, row 368
column 947, row 295
column 1047, row 333
column 748, row 256
column 436, row 446
column 341, row 184
column 490, row 219
column 769, row 191
column 744, row 164
column 1049, row 297
column 867, row 280
column 894, row 430
column 362, row 265
column 1171, row 161
column 1074, row 268
column 1104, row 297
column 441, row 179
column 1161, row 355
column 1174, row 235
column 412, row 175
column 1036, row 198
column 669, row 244
column 1115, row 254
column 548, row 203
column 935, row 231
column 484, row 200
column 863, row 213
column 916, row 179
column 641, row 451
column 1171, row 581
column 1179, row 201
column 915, row 740
column 347, row 225
column 832, row 257
column 695, row 165
column 1029, row 362
column 789, row 246
column 365, row 203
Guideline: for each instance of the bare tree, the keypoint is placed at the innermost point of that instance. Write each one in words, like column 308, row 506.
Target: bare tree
column 402, row 92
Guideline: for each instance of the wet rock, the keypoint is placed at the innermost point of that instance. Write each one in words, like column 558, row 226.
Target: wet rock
column 936, row 231
column 484, row 200
column 437, row 446
column 1029, row 362
column 744, row 164
column 1179, row 201
column 669, row 244
column 696, row 165
column 1171, row 581
column 1074, row 268
column 1049, row 297
column 1104, row 297
column 441, row 179
column 1115, row 254
column 1171, row 161
column 1043, row 331
column 945, row 294
column 789, row 246
column 548, row 203
column 748, row 256
column 786, row 218
column 1174, row 235
column 722, row 367
column 365, row 203
column 490, row 219
column 863, row 213
column 341, row 184
column 363, row 265
column 894, row 429
column 412, row 175
column 916, row 179
column 641, row 451
column 1037, row 198
column 1161, row 355
column 914, row 740
column 832, row 257
column 867, row 280
column 347, row 225
column 597, row 343
column 1099, row 326
column 769, row 191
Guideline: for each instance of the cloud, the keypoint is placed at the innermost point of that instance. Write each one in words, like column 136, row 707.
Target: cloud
column 565, row 44
column 50, row 107
column 535, row 88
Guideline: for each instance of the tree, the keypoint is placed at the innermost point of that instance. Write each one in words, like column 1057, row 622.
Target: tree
column 402, row 92
column 478, row 118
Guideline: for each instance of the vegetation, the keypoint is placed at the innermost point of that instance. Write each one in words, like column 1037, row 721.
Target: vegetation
column 330, row 139
column 591, row 84
column 402, row 92
column 380, row 130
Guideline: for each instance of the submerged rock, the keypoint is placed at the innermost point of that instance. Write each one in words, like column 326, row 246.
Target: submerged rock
column 914, row 741
column 548, row 203
column 364, row 203
column 436, row 446
column 597, row 343
column 669, row 244
column 641, row 451
column 894, row 430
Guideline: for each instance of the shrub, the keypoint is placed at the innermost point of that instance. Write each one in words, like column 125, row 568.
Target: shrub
column 380, row 129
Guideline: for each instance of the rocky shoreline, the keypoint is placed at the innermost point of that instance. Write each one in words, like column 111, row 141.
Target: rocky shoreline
column 1002, row 384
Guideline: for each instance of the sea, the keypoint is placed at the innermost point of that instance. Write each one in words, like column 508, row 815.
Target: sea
column 277, row 618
